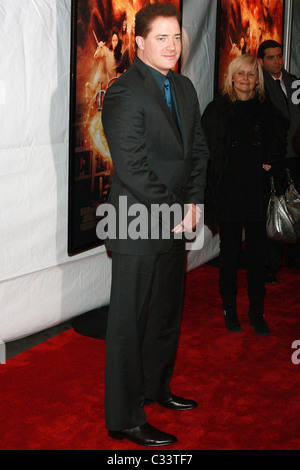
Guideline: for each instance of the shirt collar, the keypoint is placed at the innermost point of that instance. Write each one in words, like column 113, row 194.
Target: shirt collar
column 158, row 76
column 279, row 78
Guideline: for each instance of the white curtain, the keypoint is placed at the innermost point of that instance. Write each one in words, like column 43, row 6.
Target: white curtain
column 198, row 55
column 40, row 285
column 295, row 40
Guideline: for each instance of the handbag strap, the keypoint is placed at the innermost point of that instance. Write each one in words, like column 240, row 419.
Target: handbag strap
column 272, row 187
column 290, row 181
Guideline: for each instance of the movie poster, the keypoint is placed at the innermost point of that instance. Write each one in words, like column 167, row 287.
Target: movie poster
column 242, row 26
column 102, row 49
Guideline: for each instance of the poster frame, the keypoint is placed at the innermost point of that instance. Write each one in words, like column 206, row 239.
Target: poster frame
column 77, row 241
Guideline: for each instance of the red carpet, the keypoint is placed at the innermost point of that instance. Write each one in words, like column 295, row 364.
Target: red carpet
column 247, row 386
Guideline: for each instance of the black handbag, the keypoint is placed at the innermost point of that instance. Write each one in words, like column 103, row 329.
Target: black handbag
column 280, row 225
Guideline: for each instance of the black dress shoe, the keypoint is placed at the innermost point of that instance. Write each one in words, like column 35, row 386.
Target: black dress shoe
column 271, row 279
column 174, row 403
column 232, row 323
column 260, row 326
column 144, row 435
column 292, row 264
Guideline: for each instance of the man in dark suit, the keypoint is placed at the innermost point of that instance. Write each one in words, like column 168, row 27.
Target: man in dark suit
column 158, row 158
column 278, row 86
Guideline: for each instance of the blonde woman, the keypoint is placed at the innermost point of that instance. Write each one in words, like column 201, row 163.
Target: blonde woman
column 246, row 144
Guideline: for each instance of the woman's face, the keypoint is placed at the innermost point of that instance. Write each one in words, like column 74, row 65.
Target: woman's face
column 114, row 41
column 244, row 81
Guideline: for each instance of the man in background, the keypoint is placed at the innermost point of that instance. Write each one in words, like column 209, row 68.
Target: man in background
column 278, row 86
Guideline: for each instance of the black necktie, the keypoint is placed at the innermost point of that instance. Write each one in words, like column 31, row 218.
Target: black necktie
column 169, row 100
column 168, row 96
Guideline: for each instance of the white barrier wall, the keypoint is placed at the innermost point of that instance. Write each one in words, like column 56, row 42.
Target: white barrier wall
column 40, row 285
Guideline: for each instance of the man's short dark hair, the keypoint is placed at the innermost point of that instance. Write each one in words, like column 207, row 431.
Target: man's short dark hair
column 266, row 45
column 145, row 16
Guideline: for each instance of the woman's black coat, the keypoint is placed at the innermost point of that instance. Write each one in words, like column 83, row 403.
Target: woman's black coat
column 220, row 129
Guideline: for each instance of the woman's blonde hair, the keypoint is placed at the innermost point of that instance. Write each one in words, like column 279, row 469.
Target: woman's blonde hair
column 238, row 63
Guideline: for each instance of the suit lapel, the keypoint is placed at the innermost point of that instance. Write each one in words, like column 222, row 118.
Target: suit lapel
column 275, row 94
column 181, row 108
column 151, row 85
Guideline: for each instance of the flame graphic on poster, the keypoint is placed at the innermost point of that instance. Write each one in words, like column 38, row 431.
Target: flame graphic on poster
column 244, row 24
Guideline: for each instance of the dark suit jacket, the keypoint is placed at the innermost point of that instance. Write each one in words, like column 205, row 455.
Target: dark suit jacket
column 296, row 141
column 153, row 163
column 289, row 110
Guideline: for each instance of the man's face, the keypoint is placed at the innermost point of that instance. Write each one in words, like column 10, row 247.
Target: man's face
column 162, row 47
column 273, row 61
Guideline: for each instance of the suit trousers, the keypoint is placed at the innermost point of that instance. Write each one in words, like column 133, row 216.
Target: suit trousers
column 142, row 332
column 255, row 246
